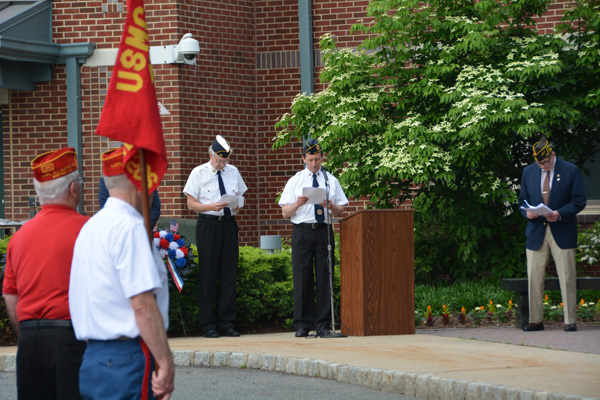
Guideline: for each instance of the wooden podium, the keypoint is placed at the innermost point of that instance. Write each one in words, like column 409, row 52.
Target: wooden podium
column 377, row 273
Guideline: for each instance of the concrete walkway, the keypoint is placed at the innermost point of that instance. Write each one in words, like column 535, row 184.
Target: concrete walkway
column 480, row 363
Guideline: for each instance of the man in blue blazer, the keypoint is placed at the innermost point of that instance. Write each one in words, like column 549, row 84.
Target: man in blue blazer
column 559, row 185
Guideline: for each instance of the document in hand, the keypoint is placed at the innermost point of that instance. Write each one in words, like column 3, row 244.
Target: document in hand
column 316, row 195
column 232, row 201
column 540, row 209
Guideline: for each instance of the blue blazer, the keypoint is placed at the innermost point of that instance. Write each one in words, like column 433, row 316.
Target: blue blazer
column 567, row 196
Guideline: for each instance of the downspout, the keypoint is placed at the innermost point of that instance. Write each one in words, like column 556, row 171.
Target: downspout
column 74, row 130
column 307, row 61
column 74, row 55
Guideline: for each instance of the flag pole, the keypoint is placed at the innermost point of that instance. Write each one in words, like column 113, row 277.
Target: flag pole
column 146, row 208
column 144, row 190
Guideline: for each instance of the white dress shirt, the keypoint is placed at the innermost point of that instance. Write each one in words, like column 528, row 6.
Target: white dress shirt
column 112, row 262
column 302, row 179
column 203, row 185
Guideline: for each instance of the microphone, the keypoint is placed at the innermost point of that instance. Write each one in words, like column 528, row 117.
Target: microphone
column 325, row 174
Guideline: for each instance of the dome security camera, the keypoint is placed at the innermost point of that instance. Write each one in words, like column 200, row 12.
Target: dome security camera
column 187, row 49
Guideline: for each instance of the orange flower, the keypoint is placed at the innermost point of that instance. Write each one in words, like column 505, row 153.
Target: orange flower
column 545, row 297
column 582, row 302
column 463, row 311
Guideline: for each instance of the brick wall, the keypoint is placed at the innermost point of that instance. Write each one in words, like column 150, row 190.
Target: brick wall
column 246, row 76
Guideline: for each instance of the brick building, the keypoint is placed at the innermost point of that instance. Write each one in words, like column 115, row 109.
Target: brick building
column 56, row 67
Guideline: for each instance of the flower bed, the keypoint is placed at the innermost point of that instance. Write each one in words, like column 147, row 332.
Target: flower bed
column 588, row 314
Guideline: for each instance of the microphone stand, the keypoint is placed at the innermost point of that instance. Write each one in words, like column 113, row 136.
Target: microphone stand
column 333, row 333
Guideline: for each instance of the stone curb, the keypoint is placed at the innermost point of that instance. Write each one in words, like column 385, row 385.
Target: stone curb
column 421, row 386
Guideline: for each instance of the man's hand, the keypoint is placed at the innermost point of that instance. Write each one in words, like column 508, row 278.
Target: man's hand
column 289, row 210
column 11, row 301
column 337, row 211
column 218, row 206
column 553, row 217
column 162, row 382
column 531, row 215
column 301, row 200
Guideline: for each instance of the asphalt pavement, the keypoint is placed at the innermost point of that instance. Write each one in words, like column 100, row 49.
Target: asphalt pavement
column 474, row 363
column 193, row 383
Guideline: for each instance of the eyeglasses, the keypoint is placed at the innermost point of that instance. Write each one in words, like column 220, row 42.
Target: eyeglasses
column 222, row 161
column 545, row 162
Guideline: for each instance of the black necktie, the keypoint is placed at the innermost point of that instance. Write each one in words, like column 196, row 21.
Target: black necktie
column 226, row 210
column 319, row 215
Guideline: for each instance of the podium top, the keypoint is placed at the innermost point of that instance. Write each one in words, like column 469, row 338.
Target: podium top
column 383, row 211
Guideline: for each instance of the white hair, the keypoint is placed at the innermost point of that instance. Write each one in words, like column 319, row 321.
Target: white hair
column 212, row 152
column 119, row 182
column 50, row 191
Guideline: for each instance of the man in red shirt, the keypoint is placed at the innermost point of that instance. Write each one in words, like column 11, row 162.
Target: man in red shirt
column 36, row 282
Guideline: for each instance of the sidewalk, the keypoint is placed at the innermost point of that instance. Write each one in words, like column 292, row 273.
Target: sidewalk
column 477, row 363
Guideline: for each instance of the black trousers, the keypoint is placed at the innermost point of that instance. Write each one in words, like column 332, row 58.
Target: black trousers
column 48, row 361
column 310, row 271
column 218, row 253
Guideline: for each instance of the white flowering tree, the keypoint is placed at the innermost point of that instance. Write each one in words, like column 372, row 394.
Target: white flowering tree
column 442, row 102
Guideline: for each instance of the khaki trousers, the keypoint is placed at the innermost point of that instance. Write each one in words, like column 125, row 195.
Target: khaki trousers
column 537, row 261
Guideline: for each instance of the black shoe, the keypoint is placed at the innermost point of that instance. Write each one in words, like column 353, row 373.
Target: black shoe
column 323, row 332
column 230, row 332
column 570, row 327
column 302, row 332
column 211, row 333
column 539, row 326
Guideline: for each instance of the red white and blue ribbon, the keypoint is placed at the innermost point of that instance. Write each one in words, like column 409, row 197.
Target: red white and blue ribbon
column 176, row 278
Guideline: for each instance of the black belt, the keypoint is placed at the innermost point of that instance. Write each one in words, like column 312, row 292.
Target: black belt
column 311, row 225
column 45, row 323
column 217, row 217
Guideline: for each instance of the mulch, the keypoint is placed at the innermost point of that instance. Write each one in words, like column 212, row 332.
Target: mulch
column 453, row 323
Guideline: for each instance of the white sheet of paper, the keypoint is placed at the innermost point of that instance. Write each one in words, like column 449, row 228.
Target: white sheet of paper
column 232, row 201
column 540, row 209
column 316, row 195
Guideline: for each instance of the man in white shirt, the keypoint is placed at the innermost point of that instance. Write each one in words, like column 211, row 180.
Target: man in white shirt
column 216, row 237
column 119, row 298
column 310, row 242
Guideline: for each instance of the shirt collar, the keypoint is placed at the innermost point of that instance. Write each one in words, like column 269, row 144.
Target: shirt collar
column 310, row 174
column 214, row 170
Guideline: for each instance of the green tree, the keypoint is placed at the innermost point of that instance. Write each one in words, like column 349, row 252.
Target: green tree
column 441, row 103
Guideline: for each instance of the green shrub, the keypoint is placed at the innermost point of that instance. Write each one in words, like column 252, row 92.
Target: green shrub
column 3, row 246
column 264, row 293
column 468, row 294
column 264, row 288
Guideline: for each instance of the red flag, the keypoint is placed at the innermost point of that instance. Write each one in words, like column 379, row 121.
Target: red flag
column 130, row 114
